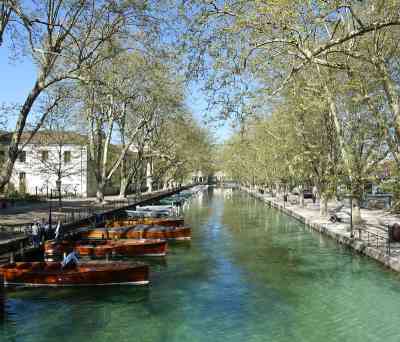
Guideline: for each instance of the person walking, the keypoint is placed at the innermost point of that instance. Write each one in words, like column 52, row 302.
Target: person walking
column 46, row 229
column 40, row 232
column 58, row 230
column 35, row 234
column 314, row 194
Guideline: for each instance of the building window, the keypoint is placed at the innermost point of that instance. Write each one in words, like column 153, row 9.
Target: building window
column 22, row 156
column 67, row 157
column 45, row 156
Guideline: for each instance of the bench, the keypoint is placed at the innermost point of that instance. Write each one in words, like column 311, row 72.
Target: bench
column 377, row 201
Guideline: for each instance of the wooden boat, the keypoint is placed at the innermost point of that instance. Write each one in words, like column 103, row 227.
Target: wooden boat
column 84, row 274
column 169, row 208
column 138, row 232
column 164, row 221
column 101, row 248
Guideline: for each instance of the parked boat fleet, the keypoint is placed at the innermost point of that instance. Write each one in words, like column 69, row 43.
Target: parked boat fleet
column 143, row 232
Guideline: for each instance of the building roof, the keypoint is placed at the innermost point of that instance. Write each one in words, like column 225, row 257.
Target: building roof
column 48, row 137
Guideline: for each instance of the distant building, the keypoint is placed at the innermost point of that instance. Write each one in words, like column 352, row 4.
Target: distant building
column 46, row 155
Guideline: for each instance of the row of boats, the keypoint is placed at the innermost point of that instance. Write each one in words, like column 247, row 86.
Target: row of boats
column 143, row 232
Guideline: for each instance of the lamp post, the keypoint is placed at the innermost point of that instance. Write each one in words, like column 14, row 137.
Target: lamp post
column 50, row 208
column 58, row 185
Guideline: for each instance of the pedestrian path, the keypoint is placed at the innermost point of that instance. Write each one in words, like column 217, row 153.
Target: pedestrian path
column 38, row 211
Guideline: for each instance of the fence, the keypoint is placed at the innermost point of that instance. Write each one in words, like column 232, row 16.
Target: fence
column 16, row 228
column 382, row 240
column 48, row 193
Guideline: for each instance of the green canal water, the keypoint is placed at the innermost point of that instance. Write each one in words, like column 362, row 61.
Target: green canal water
column 249, row 274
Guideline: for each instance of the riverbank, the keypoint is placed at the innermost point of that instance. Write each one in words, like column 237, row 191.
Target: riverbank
column 15, row 237
column 70, row 209
column 371, row 238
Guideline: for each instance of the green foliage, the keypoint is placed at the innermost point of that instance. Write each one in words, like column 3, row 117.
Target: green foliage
column 182, row 148
column 335, row 68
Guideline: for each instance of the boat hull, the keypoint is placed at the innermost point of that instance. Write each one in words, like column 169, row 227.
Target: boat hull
column 85, row 274
column 137, row 247
column 173, row 233
column 168, row 221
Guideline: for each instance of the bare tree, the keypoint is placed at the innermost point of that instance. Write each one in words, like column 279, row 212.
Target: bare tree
column 132, row 165
column 63, row 38
column 5, row 14
column 120, row 95
column 58, row 149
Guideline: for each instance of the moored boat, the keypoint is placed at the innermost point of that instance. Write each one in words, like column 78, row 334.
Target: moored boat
column 83, row 274
column 101, row 248
column 165, row 221
column 140, row 231
column 137, row 214
column 175, row 201
column 169, row 208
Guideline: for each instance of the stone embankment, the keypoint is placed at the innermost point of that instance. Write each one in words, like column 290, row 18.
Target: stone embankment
column 371, row 238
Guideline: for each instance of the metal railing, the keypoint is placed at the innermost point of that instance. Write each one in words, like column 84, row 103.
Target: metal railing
column 381, row 241
column 16, row 228
column 376, row 240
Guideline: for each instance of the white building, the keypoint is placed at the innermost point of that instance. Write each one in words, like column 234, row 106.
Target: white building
column 50, row 156
column 37, row 168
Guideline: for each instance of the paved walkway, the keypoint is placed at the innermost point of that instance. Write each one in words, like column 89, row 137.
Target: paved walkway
column 79, row 207
column 26, row 214
column 370, row 237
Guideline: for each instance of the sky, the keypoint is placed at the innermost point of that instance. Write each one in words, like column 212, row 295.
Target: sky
column 18, row 77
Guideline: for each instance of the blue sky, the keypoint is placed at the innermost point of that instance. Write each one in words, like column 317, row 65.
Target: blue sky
column 18, row 77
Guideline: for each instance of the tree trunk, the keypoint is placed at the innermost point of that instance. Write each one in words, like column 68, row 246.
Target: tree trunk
column 6, row 172
column 333, row 111
column 356, row 210
column 5, row 13
column 100, row 192
column 392, row 96
column 301, row 196
column 123, row 187
column 149, row 179
column 13, row 150
column 323, row 205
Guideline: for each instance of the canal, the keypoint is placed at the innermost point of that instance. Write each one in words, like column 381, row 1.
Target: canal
column 249, row 274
